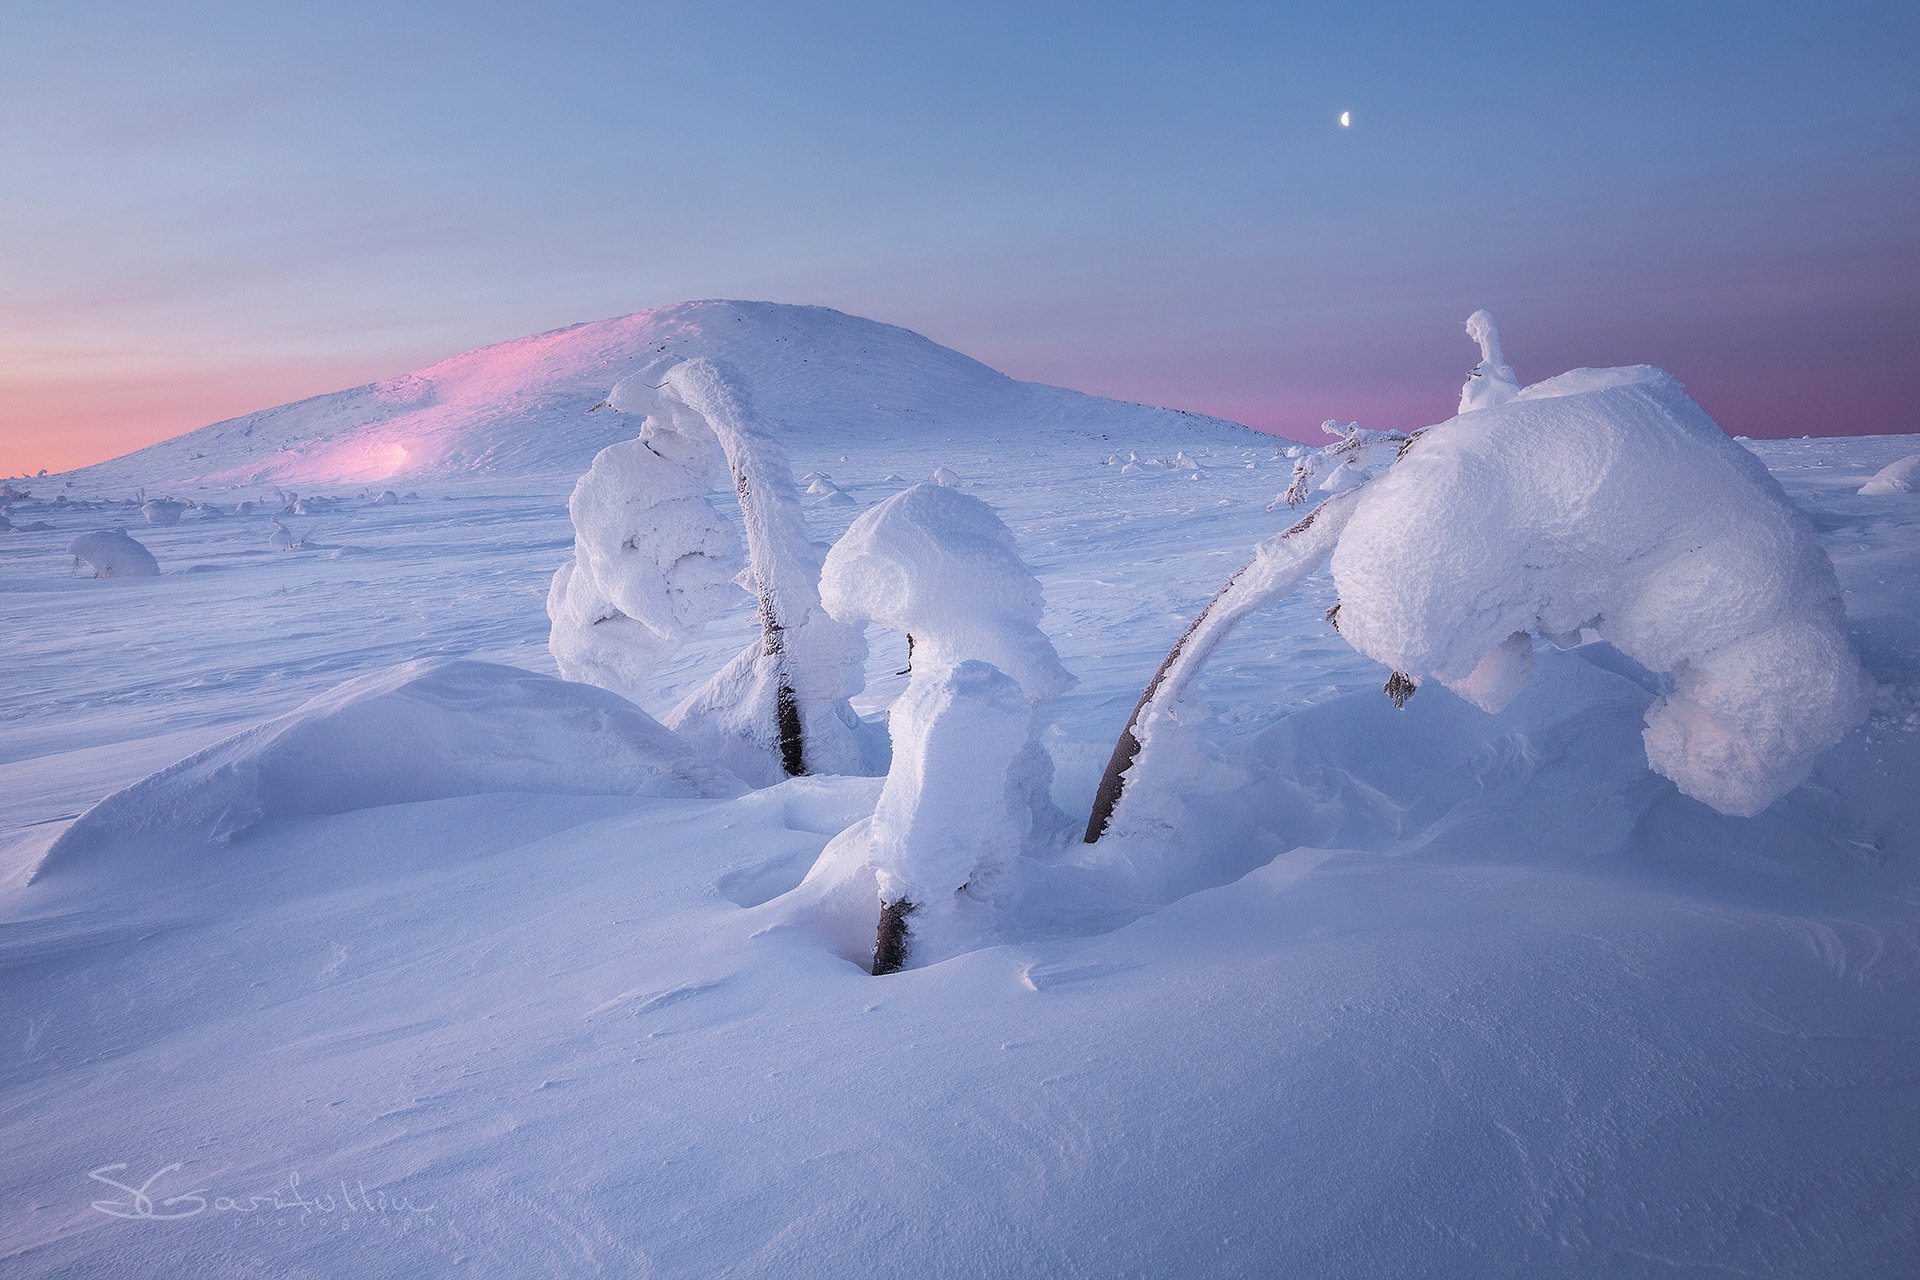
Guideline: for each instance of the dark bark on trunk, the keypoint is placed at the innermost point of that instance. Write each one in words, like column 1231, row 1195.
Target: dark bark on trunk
column 1113, row 782
column 890, row 941
column 786, row 711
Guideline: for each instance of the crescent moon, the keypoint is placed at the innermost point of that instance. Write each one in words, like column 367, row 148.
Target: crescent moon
column 1346, row 119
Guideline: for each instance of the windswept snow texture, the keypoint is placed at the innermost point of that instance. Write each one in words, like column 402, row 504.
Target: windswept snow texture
column 1607, row 501
column 112, row 554
column 1896, row 477
column 1431, row 992
column 533, row 408
column 423, row 731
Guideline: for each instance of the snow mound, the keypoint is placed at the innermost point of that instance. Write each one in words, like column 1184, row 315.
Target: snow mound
column 1607, row 500
column 939, row 565
column 1896, row 477
column 112, row 554
column 528, row 408
column 428, row 730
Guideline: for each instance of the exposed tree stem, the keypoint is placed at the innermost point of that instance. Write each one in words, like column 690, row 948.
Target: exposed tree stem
column 890, row 941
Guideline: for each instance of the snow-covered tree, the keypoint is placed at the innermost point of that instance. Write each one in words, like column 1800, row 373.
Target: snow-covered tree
column 1492, row 381
column 968, row 786
column 110, row 553
column 652, row 555
column 1602, row 502
column 162, row 511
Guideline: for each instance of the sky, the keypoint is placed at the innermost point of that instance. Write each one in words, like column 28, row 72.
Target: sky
column 208, row 209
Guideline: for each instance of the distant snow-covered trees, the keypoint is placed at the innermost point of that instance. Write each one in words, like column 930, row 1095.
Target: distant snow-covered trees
column 651, row 558
column 969, row 782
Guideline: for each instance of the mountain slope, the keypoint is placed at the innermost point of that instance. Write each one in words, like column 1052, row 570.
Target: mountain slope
column 527, row 408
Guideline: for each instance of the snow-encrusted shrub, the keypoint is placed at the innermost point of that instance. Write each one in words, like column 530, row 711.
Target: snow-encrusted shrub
column 112, row 554
column 1608, row 501
column 1896, row 477
column 1359, row 455
column 653, row 560
column 1492, row 381
column 968, row 787
column 1602, row 501
column 162, row 511
column 653, row 551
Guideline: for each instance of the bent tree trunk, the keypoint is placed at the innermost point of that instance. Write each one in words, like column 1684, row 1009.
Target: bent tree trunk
column 792, row 740
column 1277, row 567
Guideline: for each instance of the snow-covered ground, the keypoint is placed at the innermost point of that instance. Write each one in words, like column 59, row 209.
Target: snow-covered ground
column 1421, row 993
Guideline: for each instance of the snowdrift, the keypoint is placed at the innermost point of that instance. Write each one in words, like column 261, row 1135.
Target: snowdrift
column 427, row 730
column 530, row 407
column 1902, row 476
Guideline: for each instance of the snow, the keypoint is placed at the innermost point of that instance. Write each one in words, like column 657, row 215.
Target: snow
column 1607, row 500
column 1896, row 477
column 1492, row 381
column 534, row 406
column 653, row 562
column 805, row 658
column 110, row 553
column 940, row 565
column 1423, row 992
column 423, row 731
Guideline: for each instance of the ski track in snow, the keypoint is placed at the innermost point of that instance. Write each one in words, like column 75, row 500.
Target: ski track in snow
column 1440, row 993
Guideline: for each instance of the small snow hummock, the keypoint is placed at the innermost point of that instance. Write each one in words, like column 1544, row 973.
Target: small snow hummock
column 1492, row 381
column 162, row 511
column 1896, row 477
column 112, row 554
column 1607, row 500
column 969, row 781
column 428, row 730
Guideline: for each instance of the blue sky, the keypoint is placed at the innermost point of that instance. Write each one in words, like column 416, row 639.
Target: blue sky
column 212, row 208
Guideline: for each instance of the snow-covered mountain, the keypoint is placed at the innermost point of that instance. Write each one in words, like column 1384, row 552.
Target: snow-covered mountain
column 527, row 408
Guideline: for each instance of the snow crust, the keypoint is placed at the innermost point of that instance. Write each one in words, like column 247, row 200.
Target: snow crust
column 421, row 731
column 1902, row 476
column 110, row 553
column 1607, row 500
